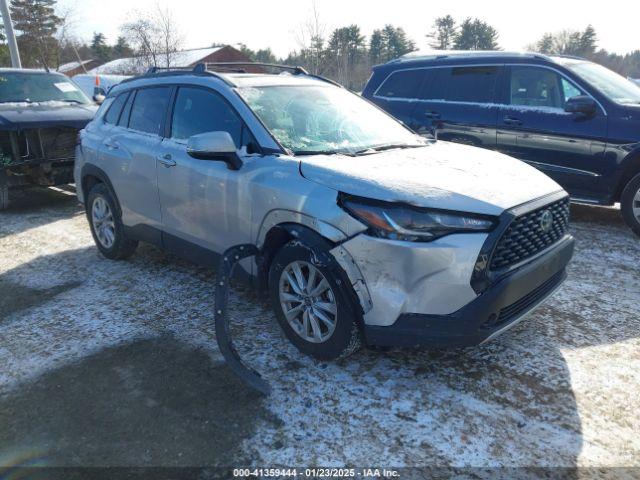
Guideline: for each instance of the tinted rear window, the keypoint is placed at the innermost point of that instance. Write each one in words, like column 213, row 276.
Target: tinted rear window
column 463, row 84
column 149, row 109
column 116, row 107
column 403, row 84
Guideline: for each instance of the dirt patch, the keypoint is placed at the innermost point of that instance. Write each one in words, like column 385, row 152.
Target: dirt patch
column 152, row 402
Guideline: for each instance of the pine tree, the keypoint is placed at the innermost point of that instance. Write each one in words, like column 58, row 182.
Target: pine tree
column 587, row 42
column 443, row 34
column 376, row 47
column 346, row 46
column 265, row 55
column 475, row 34
column 122, row 49
column 99, row 47
column 396, row 42
column 570, row 42
column 545, row 44
column 388, row 43
column 36, row 23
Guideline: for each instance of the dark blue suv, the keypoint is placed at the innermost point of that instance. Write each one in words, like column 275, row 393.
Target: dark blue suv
column 575, row 120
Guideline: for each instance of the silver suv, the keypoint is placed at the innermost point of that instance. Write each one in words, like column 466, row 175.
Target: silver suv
column 366, row 232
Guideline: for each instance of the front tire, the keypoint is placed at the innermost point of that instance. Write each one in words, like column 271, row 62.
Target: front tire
column 106, row 226
column 630, row 204
column 311, row 304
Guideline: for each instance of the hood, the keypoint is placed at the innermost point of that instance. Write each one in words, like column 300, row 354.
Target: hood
column 20, row 116
column 441, row 175
column 632, row 110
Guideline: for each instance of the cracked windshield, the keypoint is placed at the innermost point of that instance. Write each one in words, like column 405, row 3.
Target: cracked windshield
column 310, row 120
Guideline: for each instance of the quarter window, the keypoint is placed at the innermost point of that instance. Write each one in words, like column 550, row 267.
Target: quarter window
column 570, row 90
column 403, row 84
column 126, row 111
column 116, row 107
column 149, row 108
column 463, row 84
column 199, row 111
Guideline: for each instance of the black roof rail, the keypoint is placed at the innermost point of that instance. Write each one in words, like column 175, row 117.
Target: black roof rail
column 198, row 69
column 154, row 70
column 564, row 55
column 235, row 67
column 296, row 70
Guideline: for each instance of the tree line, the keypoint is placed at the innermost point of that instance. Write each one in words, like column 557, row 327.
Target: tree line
column 344, row 54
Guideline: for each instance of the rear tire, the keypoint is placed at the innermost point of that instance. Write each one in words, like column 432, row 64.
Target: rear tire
column 4, row 191
column 630, row 204
column 324, row 325
column 106, row 226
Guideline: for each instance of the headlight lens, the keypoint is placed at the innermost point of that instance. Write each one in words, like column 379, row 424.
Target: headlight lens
column 403, row 222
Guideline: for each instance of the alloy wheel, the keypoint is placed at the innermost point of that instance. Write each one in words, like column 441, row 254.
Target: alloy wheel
column 308, row 302
column 635, row 205
column 103, row 224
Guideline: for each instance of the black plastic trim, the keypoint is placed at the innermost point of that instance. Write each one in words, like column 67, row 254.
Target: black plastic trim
column 90, row 170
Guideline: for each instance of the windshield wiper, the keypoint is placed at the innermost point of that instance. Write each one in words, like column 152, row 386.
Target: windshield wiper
column 321, row 152
column 381, row 148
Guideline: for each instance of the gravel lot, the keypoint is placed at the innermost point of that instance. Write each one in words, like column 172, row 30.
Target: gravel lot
column 115, row 363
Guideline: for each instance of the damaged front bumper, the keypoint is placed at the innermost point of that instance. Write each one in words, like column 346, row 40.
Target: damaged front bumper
column 498, row 308
column 38, row 156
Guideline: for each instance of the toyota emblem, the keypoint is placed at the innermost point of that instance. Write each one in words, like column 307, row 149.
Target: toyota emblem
column 546, row 221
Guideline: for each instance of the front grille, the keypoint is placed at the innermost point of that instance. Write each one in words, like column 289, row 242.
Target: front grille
column 526, row 236
column 55, row 143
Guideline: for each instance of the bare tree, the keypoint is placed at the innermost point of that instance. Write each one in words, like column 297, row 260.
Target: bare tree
column 154, row 37
column 170, row 36
column 311, row 40
column 69, row 43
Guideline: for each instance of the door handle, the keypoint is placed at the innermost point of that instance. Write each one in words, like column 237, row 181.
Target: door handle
column 166, row 160
column 431, row 114
column 111, row 145
column 511, row 120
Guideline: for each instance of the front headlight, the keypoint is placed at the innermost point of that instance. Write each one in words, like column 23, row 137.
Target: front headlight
column 403, row 222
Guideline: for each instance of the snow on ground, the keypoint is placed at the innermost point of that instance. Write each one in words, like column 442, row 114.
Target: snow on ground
column 115, row 363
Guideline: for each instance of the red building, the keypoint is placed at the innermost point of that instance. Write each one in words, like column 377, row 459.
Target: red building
column 183, row 58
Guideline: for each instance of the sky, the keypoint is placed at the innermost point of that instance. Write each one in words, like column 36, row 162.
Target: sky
column 277, row 23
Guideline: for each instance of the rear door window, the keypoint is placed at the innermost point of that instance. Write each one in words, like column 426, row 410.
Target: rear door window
column 149, row 109
column 463, row 84
column 403, row 84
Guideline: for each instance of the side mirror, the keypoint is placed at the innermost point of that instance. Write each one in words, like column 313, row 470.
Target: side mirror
column 214, row 146
column 581, row 104
column 99, row 95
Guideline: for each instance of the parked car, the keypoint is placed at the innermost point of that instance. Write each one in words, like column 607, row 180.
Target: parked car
column 365, row 230
column 41, row 114
column 576, row 121
column 94, row 86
